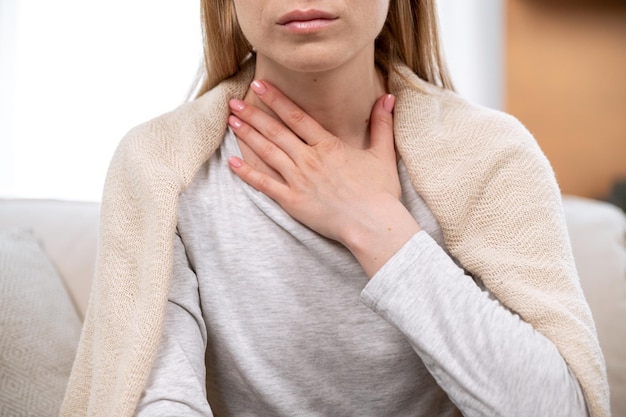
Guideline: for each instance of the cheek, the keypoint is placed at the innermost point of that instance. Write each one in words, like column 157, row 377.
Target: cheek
column 249, row 19
column 368, row 18
column 379, row 15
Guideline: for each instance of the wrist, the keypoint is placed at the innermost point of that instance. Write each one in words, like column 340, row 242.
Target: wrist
column 376, row 238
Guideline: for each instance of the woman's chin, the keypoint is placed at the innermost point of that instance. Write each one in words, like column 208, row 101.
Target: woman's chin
column 312, row 61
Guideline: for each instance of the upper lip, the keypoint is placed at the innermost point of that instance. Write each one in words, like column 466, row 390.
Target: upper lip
column 304, row 15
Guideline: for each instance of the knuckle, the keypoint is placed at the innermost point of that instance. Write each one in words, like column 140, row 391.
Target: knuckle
column 268, row 150
column 384, row 120
column 275, row 129
column 271, row 98
column 245, row 173
column 329, row 145
column 296, row 116
column 262, row 184
column 312, row 162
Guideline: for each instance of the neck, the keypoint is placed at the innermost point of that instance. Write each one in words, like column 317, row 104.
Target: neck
column 340, row 100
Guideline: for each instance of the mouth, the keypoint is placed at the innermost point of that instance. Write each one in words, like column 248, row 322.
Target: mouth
column 306, row 20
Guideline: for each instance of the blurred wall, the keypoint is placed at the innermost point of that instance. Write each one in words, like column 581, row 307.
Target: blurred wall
column 566, row 81
column 472, row 33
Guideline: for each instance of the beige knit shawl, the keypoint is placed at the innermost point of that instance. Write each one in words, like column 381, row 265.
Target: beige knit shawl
column 480, row 172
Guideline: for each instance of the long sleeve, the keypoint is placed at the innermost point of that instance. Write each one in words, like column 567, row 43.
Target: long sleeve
column 489, row 361
column 176, row 385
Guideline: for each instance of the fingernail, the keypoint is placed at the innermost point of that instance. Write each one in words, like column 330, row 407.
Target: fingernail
column 236, row 105
column 234, row 162
column 388, row 102
column 234, row 121
column 259, row 87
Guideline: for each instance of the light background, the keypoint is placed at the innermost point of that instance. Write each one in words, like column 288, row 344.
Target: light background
column 76, row 75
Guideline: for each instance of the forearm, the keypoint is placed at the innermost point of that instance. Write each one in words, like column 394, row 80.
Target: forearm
column 486, row 358
column 375, row 239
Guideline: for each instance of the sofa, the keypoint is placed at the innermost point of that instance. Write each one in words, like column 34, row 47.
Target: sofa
column 47, row 255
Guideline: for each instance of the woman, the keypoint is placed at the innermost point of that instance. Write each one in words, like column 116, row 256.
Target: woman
column 295, row 264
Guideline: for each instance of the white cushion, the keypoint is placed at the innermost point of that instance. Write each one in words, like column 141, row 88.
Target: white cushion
column 598, row 234
column 39, row 329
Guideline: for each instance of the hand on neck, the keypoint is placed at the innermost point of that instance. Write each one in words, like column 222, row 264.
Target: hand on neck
column 340, row 99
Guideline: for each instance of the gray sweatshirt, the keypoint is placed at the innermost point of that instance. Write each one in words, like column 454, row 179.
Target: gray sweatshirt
column 268, row 318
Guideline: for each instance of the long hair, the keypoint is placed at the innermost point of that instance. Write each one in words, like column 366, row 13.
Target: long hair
column 410, row 36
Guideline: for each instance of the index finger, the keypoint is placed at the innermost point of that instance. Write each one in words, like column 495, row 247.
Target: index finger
column 293, row 116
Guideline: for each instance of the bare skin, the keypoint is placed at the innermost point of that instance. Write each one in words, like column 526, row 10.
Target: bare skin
column 345, row 193
column 316, row 134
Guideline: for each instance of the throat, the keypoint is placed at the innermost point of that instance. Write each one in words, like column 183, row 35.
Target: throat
column 345, row 117
column 340, row 100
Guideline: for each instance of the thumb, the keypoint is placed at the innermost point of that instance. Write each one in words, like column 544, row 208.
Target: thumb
column 381, row 125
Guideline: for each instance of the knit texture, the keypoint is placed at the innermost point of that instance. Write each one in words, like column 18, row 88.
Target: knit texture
column 480, row 172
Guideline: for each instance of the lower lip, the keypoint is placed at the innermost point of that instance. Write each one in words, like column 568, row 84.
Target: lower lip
column 308, row 26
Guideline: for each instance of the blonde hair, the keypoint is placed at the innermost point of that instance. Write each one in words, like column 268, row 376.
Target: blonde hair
column 410, row 36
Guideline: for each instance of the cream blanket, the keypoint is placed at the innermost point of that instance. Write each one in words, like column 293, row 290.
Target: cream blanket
column 480, row 172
